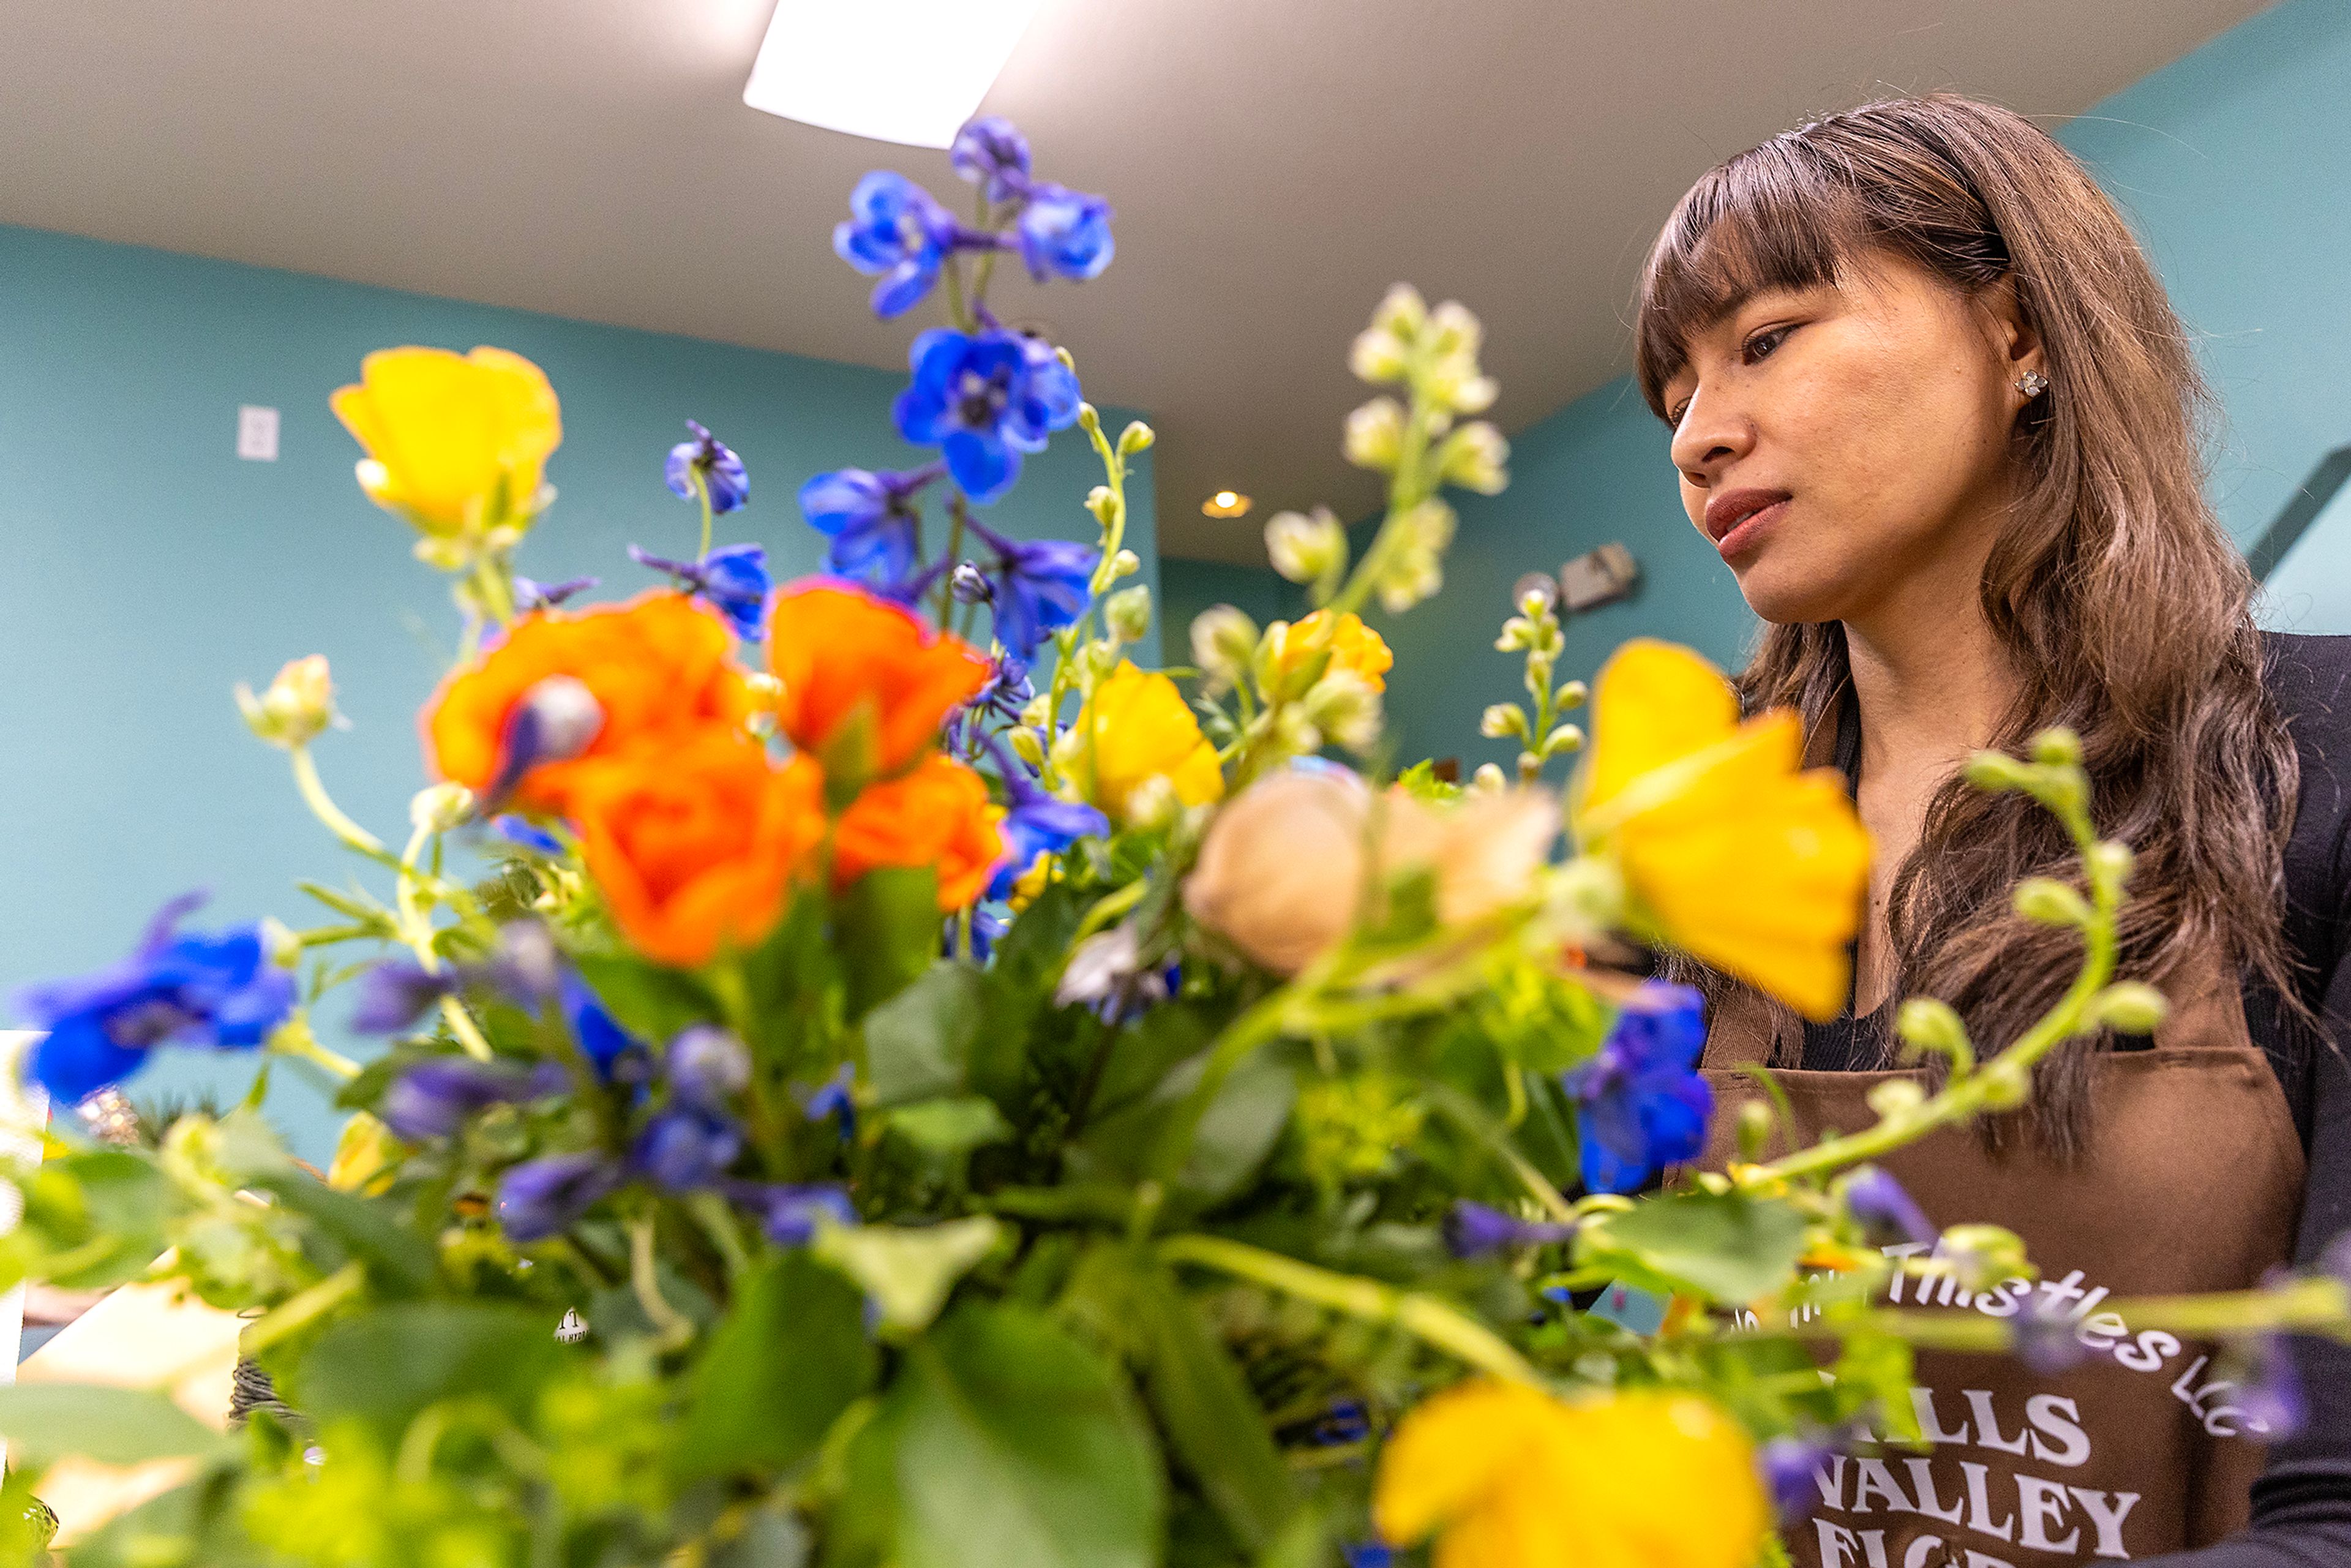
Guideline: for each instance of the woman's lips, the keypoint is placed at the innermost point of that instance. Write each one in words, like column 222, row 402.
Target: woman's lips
column 1736, row 520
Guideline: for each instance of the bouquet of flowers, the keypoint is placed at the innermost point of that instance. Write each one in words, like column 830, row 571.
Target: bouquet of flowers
column 877, row 1077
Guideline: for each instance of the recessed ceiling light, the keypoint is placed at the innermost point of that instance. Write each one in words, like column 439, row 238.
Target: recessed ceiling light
column 1225, row 504
column 909, row 71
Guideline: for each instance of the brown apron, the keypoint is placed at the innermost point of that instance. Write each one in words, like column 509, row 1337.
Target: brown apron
column 2192, row 1181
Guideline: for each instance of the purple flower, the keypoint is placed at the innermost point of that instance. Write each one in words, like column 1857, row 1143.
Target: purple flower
column 1036, row 822
column 2045, row 1340
column 1473, row 1230
column 970, row 585
column 722, row 472
column 1344, row 1423
column 529, row 595
column 220, row 990
column 706, row 1066
column 394, row 994
column 983, row 399
column 1008, row 689
column 556, row 720
column 433, row 1098
column 541, row 1197
column 990, row 153
column 987, row 929
column 1105, row 972
column 732, row 578
column 2273, row 1403
column 1789, row 1466
column 836, row 1097
column 1369, row 1555
column 1064, row 232
column 685, row 1149
column 1884, row 1211
column 1038, row 586
column 1640, row 1103
column 614, row 1051
column 791, row 1215
column 896, row 230
column 869, row 517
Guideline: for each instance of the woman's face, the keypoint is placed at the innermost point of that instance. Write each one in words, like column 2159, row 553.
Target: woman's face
column 1838, row 443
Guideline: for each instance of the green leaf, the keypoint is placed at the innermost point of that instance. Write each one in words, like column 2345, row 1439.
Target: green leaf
column 90, row 1220
column 387, row 1365
column 949, row 1128
column 918, row 1043
column 1211, row 1418
column 650, row 1002
column 1234, row 1135
column 907, row 1270
column 48, row 1421
column 770, row 1538
column 778, row 1372
column 888, row 932
column 399, row 1261
column 1726, row 1246
column 1014, row 1444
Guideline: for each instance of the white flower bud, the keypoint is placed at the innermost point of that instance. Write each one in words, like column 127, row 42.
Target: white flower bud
column 1125, row 563
column 298, row 705
column 1039, row 713
column 1454, row 331
column 1127, row 613
column 1473, row 457
column 1402, row 313
column 2112, row 860
column 1154, row 802
column 1502, row 720
column 1926, row 1024
column 1027, row 745
column 1305, row 548
column 1376, row 434
column 1571, row 694
column 437, row 807
column 1896, row 1097
column 1563, row 738
column 1136, row 437
column 1223, row 639
column 2045, row 901
column 2130, row 1006
column 1488, row 780
column 1344, row 708
column 2057, row 747
column 1414, row 568
column 1103, row 502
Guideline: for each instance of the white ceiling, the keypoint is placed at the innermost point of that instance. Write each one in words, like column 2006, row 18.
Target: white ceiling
column 1275, row 164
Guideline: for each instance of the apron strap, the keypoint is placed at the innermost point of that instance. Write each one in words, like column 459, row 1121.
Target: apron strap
column 1747, row 1031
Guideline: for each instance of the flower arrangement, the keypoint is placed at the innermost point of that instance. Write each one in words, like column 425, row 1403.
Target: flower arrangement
column 928, row 1091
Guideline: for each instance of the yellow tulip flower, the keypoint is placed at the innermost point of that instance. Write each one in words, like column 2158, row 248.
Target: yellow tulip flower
column 1732, row 852
column 1506, row 1476
column 1353, row 647
column 1136, row 728
column 444, row 431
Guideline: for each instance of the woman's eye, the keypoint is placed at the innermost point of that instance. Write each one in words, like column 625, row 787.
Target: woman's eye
column 1763, row 344
column 1673, row 416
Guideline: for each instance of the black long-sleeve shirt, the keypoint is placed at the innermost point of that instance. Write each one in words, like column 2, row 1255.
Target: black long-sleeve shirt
column 2302, row 1503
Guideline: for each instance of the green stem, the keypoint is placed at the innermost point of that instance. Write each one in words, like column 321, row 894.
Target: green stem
column 1426, row 1318
column 957, row 517
column 675, row 1328
column 702, row 493
column 305, row 1307
column 303, row 1046
column 314, row 795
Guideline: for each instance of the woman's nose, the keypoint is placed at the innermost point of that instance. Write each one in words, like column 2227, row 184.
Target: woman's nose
column 1712, row 436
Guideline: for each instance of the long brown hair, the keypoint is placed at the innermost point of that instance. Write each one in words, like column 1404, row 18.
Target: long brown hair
column 2121, row 604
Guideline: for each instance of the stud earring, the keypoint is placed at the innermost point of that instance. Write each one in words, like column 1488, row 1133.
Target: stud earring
column 2031, row 383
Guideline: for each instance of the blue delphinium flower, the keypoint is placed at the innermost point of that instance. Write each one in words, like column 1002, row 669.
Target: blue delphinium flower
column 732, row 579
column 836, row 1098
column 706, row 1066
column 896, row 230
column 541, row 1197
column 1473, row 1230
column 393, row 995
column 1788, row 1465
column 433, row 1098
column 1369, row 1555
column 1064, row 232
column 991, row 153
column 987, row 929
column 220, row 990
column 790, row 1215
column 1345, row 1422
column 687, row 1147
column 617, row 1055
column 522, row 832
column 721, row 470
column 529, row 595
column 869, row 517
column 1885, row 1212
column 1038, row 586
column 1640, row 1102
column 2272, row 1401
column 983, row 399
column 556, row 720
column 1036, row 822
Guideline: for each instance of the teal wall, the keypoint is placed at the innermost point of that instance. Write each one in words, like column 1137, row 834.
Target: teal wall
column 2233, row 164
column 147, row 569
column 1188, row 587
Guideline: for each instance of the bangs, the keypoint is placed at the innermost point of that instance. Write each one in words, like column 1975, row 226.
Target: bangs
column 1770, row 218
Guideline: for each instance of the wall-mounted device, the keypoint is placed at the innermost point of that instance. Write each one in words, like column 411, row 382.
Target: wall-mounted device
column 1598, row 578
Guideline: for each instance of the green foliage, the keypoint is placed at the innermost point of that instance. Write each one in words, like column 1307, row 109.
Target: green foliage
column 45, row 1421
column 778, row 1372
column 1724, row 1246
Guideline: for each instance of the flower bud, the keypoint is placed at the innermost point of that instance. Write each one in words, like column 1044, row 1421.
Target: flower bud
column 2111, row 860
column 1344, row 706
column 1294, row 734
column 437, row 807
column 1980, row 1256
column 1896, row 1097
column 1562, row 739
column 1136, row 437
column 1103, row 502
column 1377, row 357
column 1571, row 694
column 1472, row 457
column 1223, row 638
column 1375, row 437
column 1027, row 745
column 280, row 946
column 1088, row 416
column 1995, row 770
column 1154, row 802
column 2130, row 1006
column 298, row 705
column 1501, row 721
column 1305, row 548
column 969, row 584
column 1926, row 1024
column 2057, row 747
column 707, row 1064
column 1039, row 713
column 2045, row 901
column 1402, row 313
column 1127, row 613
column 1488, row 779
column 1454, row 331
column 1416, row 566
column 1125, row 563
column 1754, row 1129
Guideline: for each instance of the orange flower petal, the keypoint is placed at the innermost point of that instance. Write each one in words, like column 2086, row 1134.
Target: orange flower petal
column 937, row 815
column 840, row 650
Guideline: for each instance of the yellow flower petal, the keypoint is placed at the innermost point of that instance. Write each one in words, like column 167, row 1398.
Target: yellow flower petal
column 443, row 431
column 1654, row 703
column 1136, row 728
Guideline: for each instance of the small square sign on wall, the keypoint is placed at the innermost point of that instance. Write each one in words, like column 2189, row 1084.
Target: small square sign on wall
column 257, row 433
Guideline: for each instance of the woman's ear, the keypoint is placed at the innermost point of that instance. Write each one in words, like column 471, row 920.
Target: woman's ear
column 2015, row 338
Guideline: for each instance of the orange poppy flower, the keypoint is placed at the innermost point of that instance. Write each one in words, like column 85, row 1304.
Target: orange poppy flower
column 847, row 659
column 657, row 667
column 696, row 846
column 938, row 815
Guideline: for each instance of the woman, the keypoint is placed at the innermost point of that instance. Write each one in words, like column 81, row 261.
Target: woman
column 1929, row 401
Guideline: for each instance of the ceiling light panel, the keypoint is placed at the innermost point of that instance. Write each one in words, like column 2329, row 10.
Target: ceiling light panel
column 910, row 71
